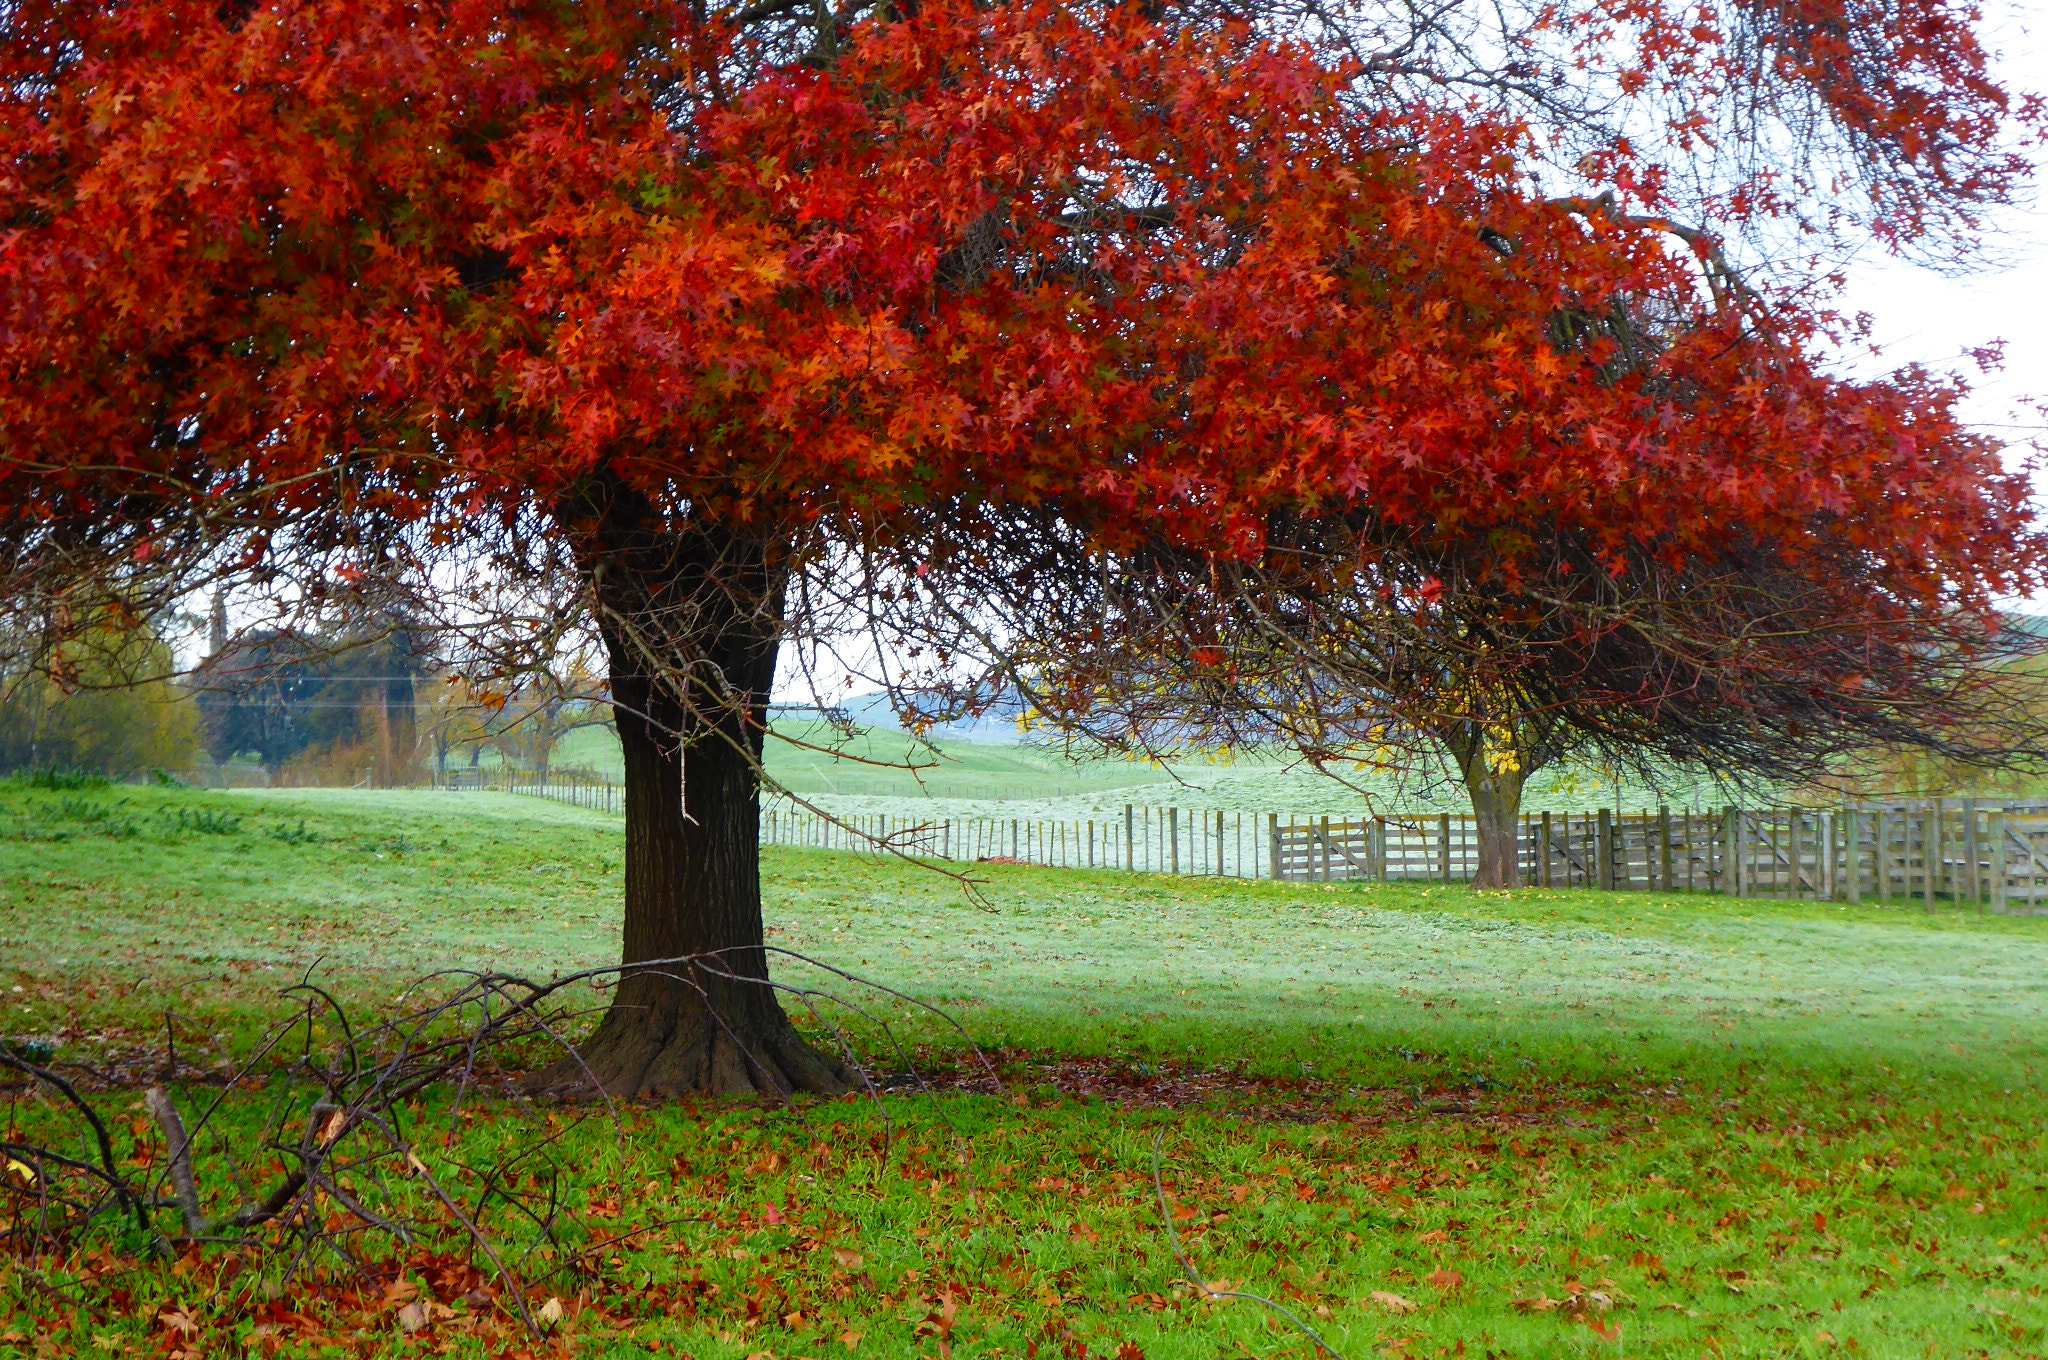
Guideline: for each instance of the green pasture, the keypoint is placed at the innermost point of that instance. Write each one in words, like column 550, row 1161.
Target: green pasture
column 1428, row 1121
column 877, row 770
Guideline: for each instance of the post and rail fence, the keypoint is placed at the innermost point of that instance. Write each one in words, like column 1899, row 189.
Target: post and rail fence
column 1990, row 855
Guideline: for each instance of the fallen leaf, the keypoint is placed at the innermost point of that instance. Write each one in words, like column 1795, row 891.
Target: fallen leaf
column 412, row 1317
column 551, row 1311
column 849, row 1339
column 1393, row 1303
column 852, row 1260
column 1449, row 1281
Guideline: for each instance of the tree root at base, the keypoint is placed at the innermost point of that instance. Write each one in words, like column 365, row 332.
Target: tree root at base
column 638, row 1061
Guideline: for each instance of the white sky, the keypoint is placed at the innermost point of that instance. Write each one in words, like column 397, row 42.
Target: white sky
column 1921, row 316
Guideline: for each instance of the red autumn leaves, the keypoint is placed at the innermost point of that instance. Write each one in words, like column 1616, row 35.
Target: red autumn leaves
column 1168, row 281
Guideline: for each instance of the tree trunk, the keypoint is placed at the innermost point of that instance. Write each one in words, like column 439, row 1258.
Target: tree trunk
column 1493, row 781
column 691, row 623
column 1497, row 810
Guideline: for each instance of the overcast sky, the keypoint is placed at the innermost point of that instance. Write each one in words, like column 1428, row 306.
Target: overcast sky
column 1922, row 316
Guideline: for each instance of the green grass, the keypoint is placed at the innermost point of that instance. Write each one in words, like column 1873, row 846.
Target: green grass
column 880, row 771
column 1754, row 1128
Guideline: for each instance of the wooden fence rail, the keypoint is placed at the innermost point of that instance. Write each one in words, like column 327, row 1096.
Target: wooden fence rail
column 1994, row 856
column 1666, row 850
column 1961, row 851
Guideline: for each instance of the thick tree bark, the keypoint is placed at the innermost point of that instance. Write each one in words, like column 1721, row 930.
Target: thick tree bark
column 1497, row 809
column 691, row 620
column 1495, row 788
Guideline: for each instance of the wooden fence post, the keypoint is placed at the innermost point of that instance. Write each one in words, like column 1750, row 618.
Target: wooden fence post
column 1851, row 882
column 1998, row 835
column 1443, row 847
column 1130, row 851
column 1543, row 852
column 1731, row 857
column 1882, row 821
column 1930, row 851
column 1664, row 847
column 1685, row 830
column 1973, row 875
column 1273, row 845
column 1830, row 885
column 1603, row 851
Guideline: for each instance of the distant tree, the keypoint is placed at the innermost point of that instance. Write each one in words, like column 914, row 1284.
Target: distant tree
column 1762, row 660
column 549, row 705
column 277, row 694
column 105, row 700
column 450, row 715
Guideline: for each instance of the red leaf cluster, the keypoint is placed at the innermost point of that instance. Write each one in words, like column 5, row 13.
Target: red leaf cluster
column 439, row 261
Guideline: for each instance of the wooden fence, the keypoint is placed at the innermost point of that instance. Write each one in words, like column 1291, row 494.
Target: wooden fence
column 1993, row 855
column 1189, row 842
column 1184, row 841
column 1666, row 850
column 1990, row 855
column 595, row 794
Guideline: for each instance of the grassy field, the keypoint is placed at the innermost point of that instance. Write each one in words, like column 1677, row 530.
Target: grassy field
column 881, row 771
column 1432, row 1122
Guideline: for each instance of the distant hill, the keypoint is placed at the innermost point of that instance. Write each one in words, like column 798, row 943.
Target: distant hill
column 998, row 725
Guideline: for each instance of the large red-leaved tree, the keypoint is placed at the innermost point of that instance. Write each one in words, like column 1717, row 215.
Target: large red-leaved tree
column 929, row 312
